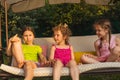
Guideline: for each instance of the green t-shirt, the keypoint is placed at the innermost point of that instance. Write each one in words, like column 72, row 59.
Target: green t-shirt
column 31, row 52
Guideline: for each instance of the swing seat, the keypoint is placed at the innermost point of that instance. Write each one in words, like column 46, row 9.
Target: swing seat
column 47, row 71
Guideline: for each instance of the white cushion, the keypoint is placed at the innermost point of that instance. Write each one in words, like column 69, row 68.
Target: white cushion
column 47, row 71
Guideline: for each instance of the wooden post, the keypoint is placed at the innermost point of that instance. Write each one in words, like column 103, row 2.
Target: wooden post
column 0, row 32
column 6, row 22
column 1, row 57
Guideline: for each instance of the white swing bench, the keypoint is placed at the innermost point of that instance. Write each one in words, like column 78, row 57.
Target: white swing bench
column 81, row 45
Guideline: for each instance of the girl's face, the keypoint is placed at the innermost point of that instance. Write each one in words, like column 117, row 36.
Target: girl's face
column 28, row 37
column 58, row 37
column 101, row 32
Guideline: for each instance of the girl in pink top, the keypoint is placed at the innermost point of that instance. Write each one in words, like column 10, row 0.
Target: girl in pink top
column 105, row 45
column 62, row 53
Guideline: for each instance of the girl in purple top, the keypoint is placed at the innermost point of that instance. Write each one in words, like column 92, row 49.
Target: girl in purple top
column 105, row 45
column 62, row 53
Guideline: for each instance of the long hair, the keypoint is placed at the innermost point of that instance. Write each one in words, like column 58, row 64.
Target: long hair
column 105, row 24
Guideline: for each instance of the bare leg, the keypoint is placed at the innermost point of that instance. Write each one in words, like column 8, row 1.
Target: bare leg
column 57, row 70
column 87, row 60
column 112, row 58
column 18, row 54
column 29, row 70
column 74, row 72
column 14, row 62
column 115, row 54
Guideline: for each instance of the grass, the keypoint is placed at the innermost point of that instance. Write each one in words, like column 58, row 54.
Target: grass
column 101, row 77
column 82, row 77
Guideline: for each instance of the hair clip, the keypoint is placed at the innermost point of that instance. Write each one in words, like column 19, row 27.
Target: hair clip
column 65, row 25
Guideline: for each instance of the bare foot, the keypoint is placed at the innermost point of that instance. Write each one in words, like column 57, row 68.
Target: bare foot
column 80, row 63
column 118, row 59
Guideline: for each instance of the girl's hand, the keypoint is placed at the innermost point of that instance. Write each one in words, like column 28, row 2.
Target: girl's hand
column 43, row 60
column 52, row 62
column 45, row 64
column 14, row 38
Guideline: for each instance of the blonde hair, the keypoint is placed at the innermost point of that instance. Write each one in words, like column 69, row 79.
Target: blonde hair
column 66, row 32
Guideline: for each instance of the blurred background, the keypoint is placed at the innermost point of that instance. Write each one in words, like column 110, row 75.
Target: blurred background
column 79, row 15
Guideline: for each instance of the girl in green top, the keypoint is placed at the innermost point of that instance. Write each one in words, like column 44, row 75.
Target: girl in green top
column 25, row 55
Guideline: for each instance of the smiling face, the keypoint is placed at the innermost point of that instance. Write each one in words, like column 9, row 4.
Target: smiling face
column 28, row 37
column 103, row 28
column 101, row 32
column 58, row 37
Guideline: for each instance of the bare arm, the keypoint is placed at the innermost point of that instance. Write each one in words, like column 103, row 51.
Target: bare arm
column 51, row 57
column 99, row 58
column 96, row 48
column 72, row 53
column 43, row 58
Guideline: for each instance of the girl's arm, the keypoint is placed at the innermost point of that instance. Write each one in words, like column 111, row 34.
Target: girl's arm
column 51, row 57
column 96, row 48
column 72, row 53
column 43, row 58
column 99, row 58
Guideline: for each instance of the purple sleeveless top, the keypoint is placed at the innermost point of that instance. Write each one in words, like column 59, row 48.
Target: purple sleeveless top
column 64, row 55
column 104, row 50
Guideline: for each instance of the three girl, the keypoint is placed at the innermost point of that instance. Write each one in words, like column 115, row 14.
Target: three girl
column 106, row 45
column 25, row 55
column 62, row 53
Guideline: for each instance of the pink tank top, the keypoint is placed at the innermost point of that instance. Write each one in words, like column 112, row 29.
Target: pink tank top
column 63, row 54
column 105, row 51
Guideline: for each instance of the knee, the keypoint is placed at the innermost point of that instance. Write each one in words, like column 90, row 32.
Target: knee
column 17, row 43
column 73, row 63
column 20, row 64
column 83, row 58
column 116, row 50
column 58, row 63
column 20, row 61
column 27, row 64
